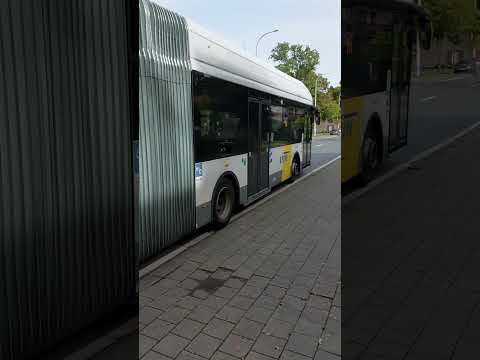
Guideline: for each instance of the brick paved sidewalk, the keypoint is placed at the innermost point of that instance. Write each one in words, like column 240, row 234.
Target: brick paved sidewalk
column 411, row 261
column 265, row 287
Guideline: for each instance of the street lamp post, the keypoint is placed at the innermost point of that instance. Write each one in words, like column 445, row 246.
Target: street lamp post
column 261, row 37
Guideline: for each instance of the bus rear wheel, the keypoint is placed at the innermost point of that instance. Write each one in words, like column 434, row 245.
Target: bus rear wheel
column 295, row 170
column 370, row 156
column 223, row 203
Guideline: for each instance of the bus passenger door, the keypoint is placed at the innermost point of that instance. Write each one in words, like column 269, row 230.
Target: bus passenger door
column 400, row 87
column 307, row 141
column 258, row 149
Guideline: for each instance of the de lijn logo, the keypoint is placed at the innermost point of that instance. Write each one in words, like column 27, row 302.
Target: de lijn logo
column 198, row 170
column 244, row 161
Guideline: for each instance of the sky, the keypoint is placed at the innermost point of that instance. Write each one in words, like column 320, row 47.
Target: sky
column 315, row 23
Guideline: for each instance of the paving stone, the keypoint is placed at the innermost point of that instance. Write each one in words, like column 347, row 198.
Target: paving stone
column 156, row 290
column 164, row 302
column 230, row 314
column 148, row 281
column 177, row 292
column 202, row 314
column 218, row 328
column 289, row 355
column 189, row 266
column 323, row 355
column 236, row 346
column 222, row 356
column 234, row 283
column 319, row 302
column 269, row 345
column 214, row 302
column 234, row 262
column 147, row 314
column 259, row 314
column 243, row 273
column 311, row 322
column 258, row 281
column 188, row 328
column 189, row 302
column 299, row 291
column 204, row 345
column 280, row 281
column 241, row 302
column 158, row 329
column 248, row 329
column 331, row 337
column 221, row 274
column 179, row 275
column 145, row 344
column 152, row 355
column 201, row 294
column 174, row 315
column 268, row 302
column 171, row 345
column 251, row 291
column 278, row 328
column 199, row 275
column 226, row 292
column 302, row 344
column 293, row 302
column 275, row 291
column 189, row 284
column 252, row 355
column 185, row 355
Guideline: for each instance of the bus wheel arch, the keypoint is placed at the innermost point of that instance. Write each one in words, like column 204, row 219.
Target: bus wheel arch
column 225, row 199
column 372, row 148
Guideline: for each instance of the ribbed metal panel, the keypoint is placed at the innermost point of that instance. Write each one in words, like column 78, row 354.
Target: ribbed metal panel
column 167, row 180
column 66, row 239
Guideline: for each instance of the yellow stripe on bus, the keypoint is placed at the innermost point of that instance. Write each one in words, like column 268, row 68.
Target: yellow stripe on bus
column 286, row 162
column 351, row 137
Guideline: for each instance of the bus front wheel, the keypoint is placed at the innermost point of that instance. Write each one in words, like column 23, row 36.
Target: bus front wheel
column 223, row 203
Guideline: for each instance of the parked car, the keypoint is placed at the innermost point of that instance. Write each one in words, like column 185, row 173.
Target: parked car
column 463, row 67
column 334, row 132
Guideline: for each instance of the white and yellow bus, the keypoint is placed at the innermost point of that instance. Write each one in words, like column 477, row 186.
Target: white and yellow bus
column 219, row 128
column 378, row 37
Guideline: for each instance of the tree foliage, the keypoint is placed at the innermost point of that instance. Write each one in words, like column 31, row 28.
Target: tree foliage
column 300, row 62
column 452, row 19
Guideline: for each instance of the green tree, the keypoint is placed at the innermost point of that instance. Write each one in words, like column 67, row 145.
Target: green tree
column 452, row 20
column 300, row 62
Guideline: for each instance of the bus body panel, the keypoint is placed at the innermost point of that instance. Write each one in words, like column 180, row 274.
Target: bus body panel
column 207, row 175
column 356, row 113
column 281, row 159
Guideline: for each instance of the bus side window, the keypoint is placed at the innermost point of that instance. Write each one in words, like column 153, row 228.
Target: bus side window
column 220, row 119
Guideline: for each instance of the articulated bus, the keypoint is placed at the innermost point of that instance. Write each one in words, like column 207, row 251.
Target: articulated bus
column 218, row 128
column 378, row 37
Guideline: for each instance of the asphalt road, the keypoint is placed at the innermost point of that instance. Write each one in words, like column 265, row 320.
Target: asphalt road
column 324, row 149
column 438, row 111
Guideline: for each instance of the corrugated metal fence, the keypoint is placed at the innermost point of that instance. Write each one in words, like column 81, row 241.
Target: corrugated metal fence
column 66, row 239
column 167, row 180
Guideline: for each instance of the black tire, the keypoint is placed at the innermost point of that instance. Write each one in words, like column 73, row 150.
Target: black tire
column 371, row 155
column 223, row 203
column 295, row 171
